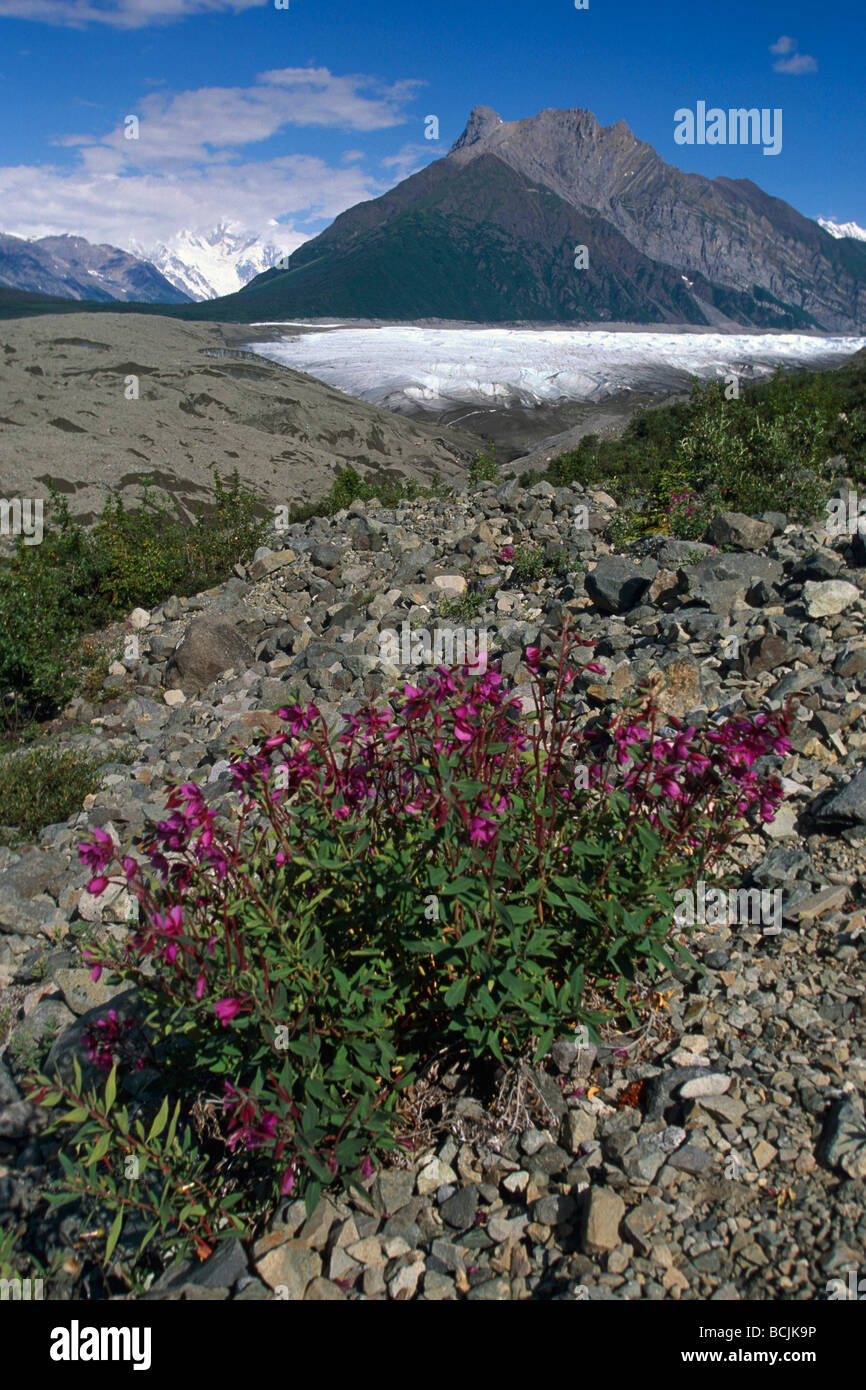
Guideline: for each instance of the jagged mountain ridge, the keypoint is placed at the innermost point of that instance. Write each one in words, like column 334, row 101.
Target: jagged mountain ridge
column 205, row 265
column 74, row 268
column 666, row 213
column 488, row 233
column 843, row 229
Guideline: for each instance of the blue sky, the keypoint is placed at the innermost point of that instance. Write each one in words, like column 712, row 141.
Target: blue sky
column 278, row 119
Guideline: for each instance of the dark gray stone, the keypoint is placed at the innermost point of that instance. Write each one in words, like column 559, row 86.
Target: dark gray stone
column 617, row 584
column 847, row 807
column 208, row 647
column 459, row 1210
column 842, row 1144
column 325, row 556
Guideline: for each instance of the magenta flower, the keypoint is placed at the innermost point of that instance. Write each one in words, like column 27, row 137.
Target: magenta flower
column 226, row 1010
column 97, row 855
column 481, row 831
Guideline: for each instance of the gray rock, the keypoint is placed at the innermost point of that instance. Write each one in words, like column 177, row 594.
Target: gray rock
column 642, row 1162
column 491, row 1291
column 460, row 1209
column 395, row 1188
column 673, row 554
column 44, row 1022
column 842, row 1144
column 223, row 1268
column 553, row 1210
column 16, row 1119
column 289, row 1269
column 712, row 1083
column 662, row 1091
column 824, row 599
column 38, row 871
column 691, row 1159
column 617, row 584
column 325, row 555
column 578, row 1128
column 208, row 647
column 601, row 1215
column 847, row 807
column 744, row 532
column 8, row 1090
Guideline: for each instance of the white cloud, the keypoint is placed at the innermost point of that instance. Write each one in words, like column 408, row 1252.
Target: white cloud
column 189, row 167
column 798, row 63
column 206, row 125
column 410, row 158
column 121, row 14
column 42, row 201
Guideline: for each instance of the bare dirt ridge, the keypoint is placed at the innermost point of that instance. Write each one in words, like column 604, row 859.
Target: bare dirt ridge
column 68, row 413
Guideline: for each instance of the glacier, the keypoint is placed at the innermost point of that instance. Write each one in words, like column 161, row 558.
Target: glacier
column 410, row 369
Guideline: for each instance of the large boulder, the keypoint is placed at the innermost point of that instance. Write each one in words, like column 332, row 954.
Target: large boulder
column 208, row 647
column 823, row 599
column 721, row 581
column 617, row 583
column 741, row 531
column 847, row 807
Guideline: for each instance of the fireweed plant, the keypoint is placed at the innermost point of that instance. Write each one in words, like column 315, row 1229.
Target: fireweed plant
column 448, row 872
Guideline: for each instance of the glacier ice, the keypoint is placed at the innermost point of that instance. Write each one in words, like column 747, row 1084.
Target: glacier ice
column 417, row 368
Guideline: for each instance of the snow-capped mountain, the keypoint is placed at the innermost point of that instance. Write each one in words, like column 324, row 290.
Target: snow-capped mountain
column 205, row 265
column 842, row 229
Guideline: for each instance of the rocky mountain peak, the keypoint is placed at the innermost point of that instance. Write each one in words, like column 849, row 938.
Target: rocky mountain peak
column 483, row 120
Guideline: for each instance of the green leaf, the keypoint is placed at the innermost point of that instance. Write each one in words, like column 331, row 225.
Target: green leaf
column 111, row 1088
column 100, row 1149
column 114, row 1234
column 456, row 993
column 581, row 908
column 73, row 1117
column 169, row 1139
column 160, row 1122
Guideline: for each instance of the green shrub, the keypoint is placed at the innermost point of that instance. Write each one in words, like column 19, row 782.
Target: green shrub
column 484, row 468
column 765, row 450
column 41, row 786
column 78, row 580
column 530, row 562
column 349, row 487
column 465, row 608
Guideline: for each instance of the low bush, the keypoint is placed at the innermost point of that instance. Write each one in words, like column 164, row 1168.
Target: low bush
column 764, row 450
column 450, row 872
column 349, row 486
column 484, row 468
column 42, row 786
column 79, row 579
